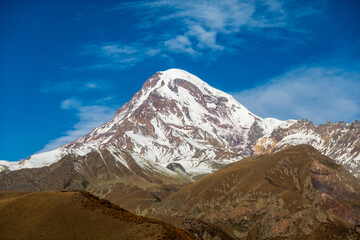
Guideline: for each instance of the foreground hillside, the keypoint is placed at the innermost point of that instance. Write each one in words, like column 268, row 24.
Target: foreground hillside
column 296, row 193
column 75, row 215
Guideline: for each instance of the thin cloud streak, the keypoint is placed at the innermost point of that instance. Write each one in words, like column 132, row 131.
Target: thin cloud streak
column 318, row 93
column 90, row 117
column 73, row 86
column 116, row 56
column 197, row 29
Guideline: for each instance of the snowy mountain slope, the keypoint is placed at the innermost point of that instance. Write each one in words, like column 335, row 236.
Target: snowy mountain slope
column 42, row 159
column 177, row 117
column 174, row 117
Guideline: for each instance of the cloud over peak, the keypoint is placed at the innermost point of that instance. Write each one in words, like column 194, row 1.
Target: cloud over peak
column 317, row 93
column 90, row 117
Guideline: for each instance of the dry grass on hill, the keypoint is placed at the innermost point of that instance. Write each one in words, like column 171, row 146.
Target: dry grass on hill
column 75, row 215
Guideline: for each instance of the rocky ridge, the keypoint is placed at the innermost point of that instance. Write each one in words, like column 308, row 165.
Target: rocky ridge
column 339, row 141
column 296, row 193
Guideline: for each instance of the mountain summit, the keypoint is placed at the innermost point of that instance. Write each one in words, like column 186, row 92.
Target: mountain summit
column 175, row 117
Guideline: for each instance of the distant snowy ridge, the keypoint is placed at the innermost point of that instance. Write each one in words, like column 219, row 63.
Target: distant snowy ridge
column 340, row 141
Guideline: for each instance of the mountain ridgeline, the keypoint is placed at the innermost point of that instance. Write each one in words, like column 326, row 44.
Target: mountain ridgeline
column 178, row 118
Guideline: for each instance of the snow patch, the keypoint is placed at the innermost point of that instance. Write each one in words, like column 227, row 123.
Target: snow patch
column 36, row 160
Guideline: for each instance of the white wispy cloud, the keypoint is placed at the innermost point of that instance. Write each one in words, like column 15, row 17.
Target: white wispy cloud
column 117, row 56
column 73, row 86
column 90, row 117
column 180, row 44
column 198, row 28
column 92, row 85
column 205, row 20
column 316, row 93
column 206, row 39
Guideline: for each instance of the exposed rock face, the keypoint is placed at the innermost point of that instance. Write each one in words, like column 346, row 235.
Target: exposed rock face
column 255, row 132
column 176, row 167
column 296, row 193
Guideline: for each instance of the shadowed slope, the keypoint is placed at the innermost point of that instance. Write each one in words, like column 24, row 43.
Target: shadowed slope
column 296, row 193
column 75, row 215
column 101, row 174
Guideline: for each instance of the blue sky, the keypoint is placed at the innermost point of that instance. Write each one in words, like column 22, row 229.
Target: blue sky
column 65, row 67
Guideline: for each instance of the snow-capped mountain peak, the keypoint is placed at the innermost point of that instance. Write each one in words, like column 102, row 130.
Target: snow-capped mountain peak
column 178, row 118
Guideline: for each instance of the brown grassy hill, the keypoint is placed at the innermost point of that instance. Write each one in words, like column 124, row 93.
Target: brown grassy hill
column 75, row 215
column 296, row 193
column 101, row 175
